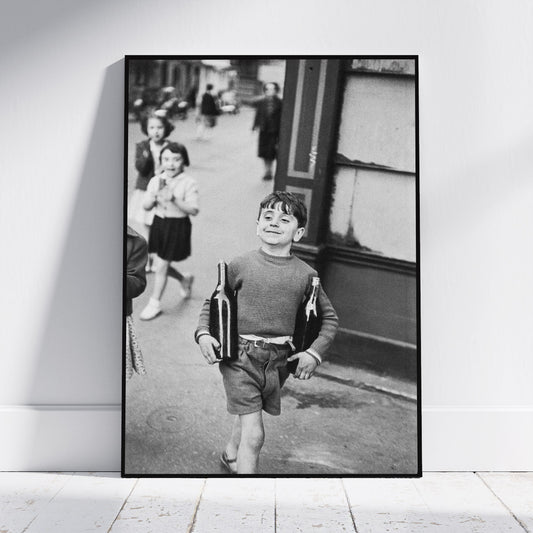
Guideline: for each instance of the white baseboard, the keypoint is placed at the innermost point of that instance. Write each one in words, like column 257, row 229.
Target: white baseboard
column 469, row 438
column 60, row 438
column 87, row 438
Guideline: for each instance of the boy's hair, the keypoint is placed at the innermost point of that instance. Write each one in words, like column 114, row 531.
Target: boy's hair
column 176, row 148
column 209, row 86
column 159, row 116
column 289, row 203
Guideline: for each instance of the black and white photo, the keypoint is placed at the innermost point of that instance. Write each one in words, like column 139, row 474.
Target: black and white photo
column 272, row 294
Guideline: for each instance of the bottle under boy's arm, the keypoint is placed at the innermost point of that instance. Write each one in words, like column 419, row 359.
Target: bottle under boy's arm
column 223, row 316
column 315, row 328
column 328, row 329
column 203, row 327
column 216, row 334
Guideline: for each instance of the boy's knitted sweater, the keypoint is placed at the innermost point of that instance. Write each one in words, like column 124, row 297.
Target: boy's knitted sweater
column 270, row 289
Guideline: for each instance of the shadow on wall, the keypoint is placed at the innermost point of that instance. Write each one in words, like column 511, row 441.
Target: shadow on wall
column 79, row 360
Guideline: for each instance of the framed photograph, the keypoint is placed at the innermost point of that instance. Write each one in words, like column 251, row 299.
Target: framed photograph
column 271, row 267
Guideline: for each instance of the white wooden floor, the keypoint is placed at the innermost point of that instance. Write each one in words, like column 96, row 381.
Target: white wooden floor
column 85, row 502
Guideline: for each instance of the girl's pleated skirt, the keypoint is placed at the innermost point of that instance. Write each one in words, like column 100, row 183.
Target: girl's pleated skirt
column 170, row 238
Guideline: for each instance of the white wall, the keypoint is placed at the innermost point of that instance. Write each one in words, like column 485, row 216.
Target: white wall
column 61, row 85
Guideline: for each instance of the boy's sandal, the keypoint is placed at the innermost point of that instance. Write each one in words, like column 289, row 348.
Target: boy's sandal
column 226, row 462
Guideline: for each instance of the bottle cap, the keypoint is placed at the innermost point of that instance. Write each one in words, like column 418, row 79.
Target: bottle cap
column 315, row 281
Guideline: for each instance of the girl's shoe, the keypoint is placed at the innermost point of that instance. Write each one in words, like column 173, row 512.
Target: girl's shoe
column 152, row 310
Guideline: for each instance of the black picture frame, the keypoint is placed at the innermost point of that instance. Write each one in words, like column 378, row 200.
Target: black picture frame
column 403, row 362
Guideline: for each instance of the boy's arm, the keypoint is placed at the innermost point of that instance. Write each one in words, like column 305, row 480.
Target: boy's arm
column 203, row 320
column 309, row 359
column 328, row 330
column 208, row 344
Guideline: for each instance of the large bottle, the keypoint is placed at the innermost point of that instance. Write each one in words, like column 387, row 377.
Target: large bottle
column 308, row 322
column 223, row 316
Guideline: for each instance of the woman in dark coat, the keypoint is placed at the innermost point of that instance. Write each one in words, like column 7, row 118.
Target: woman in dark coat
column 209, row 111
column 267, row 121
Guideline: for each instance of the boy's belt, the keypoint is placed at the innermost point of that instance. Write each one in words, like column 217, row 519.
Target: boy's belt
column 262, row 341
column 278, row 341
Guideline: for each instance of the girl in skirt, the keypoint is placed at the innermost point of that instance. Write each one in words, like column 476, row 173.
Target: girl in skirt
column 174, row 194
column 147, row 162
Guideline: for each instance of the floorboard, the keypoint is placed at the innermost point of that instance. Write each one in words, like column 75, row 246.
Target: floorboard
column 388, row 505
column 159, row 505
column 24, row 495
column 243, row 505
column 304, row 505
column 85, row 502
column 515, row 490
column 458, row 502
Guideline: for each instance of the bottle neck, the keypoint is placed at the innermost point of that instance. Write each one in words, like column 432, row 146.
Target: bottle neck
column 314, row 290
column 222, row 275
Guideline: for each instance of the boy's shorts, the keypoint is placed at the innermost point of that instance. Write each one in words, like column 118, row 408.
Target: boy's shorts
column 254, row 381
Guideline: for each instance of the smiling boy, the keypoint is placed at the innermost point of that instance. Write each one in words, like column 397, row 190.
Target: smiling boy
column 271, row 283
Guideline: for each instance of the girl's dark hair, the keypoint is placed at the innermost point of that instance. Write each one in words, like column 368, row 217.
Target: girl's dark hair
column 164, row 120
column 176, row 148
column 289, row 203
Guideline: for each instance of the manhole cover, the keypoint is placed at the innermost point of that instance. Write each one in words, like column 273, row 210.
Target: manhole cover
column 168, row 419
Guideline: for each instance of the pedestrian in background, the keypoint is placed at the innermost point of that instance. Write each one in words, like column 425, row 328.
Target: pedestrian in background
column 208, row 113
column 271, row 282
column 136, row 258
column 268, row 121
column 147, row 162
column 191, row 97
column 174, row 194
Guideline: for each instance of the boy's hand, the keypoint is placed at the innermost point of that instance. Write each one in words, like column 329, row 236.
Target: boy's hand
column 208, row 346
column 306, row 365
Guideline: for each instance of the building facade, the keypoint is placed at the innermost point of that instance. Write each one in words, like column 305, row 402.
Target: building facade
column 349, row 147
column 151, row 75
